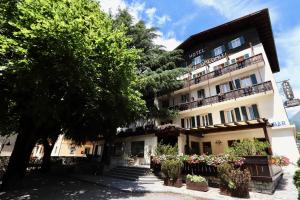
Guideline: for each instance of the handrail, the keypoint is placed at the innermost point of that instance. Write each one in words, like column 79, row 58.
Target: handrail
column 229, row 68
column 236, row 93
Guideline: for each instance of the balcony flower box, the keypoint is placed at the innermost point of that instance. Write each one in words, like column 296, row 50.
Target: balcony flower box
column 196, row 183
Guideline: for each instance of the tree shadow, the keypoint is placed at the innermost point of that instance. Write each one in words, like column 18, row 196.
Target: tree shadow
column 37, row 187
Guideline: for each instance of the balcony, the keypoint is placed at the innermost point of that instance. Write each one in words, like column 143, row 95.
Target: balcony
column 230, row 68
column 234, row 94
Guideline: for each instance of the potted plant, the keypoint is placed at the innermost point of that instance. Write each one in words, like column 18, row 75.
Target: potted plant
column 194, row 182
column 235, row 180
column 171, row 169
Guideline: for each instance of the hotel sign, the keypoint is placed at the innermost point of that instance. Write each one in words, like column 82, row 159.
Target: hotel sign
column 196, row 53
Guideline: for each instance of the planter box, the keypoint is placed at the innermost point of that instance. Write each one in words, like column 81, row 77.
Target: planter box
column 241, row 192
column 177, row 183
column 197, row 186
column 261, row 168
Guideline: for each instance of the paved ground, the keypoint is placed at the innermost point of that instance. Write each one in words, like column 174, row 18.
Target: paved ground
column 87, row 187
column 58, row 187
column 285, row 191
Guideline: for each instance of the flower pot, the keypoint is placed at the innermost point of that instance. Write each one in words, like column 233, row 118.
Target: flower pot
column 203, row 186
column 174, row 183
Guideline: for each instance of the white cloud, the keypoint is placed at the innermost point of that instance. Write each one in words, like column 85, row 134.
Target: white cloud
column 232, row 9
column 288, row 47
column 170, row 43
column 112, row 6
column 138, row 9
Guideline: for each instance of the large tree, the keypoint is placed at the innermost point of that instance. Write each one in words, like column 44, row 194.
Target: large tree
column 64, row 68
column 158, row 70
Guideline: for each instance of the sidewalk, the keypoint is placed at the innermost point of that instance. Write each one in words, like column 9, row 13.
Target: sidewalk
column 285, row 191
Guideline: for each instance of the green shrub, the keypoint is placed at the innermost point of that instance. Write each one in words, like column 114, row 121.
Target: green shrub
column 195, row 178
column 248, row 147
column 297, row 179
column 163, row 149
column 234, row 179
column 171, row 168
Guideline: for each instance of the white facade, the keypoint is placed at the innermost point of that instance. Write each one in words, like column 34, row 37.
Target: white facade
column 269, row 106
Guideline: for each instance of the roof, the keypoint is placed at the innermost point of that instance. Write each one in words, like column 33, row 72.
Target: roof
column 259, row 20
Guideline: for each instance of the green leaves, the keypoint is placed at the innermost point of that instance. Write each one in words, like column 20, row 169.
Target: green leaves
column 64, row 64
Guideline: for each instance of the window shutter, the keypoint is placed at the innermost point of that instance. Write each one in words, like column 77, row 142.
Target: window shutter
column 203, row 93
column 237, row 83
column 255, row 111
column 199, row 94
column 218, row 89
column 203, row 121
column 244, row 113
column 253, row 79
column 222, row 116
column 231, row 85
column 210, row 120
column 198, row 120
column 232, row 115
column 230, row 45
column 242, row 40
column 182, row 123
column 237, row 114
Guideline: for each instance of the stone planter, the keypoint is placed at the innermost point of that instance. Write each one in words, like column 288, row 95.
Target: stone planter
column 169, row 182
column 203, row 186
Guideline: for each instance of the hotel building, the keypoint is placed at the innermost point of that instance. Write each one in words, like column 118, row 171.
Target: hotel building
column 229, row 93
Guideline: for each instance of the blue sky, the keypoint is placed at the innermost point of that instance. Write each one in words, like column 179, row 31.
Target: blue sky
column 178, row 19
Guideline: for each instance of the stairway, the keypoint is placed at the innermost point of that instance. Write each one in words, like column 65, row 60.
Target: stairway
column 140, row 174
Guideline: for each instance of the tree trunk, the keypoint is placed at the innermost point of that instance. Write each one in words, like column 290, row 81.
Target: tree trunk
column 106, row 152
column 19, row 160
column 46, row 162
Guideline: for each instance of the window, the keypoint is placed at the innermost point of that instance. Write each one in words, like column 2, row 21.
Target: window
column 118, row 149
column 205, row 120
column 219, row 50
column 182, row 123
column 201, row 93
column 195, row 148
column 197, row 60
column 137, row 148
column 230, row 116
column 87, row 150
column 249, row 112
column 236, row 42
column 72, row 149
column 207, row 148
column 193, row 122
column 247, row 81
column 224, row 88
column 185, row 98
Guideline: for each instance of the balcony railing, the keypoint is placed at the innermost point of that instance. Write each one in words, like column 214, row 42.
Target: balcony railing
column 239, row 65
column 255, row 89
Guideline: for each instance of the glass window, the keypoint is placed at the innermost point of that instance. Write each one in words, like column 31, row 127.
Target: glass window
column 224, row 88
column 207, row 148
column 201, row 93
column 245, row 82
column 184, row 98
column 219, row 50
column 137, row 148
column 197, row 60
column 236, row 43
column 195, row 148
